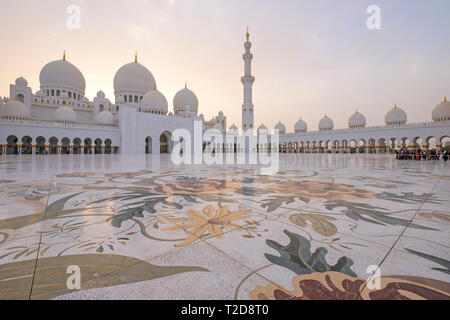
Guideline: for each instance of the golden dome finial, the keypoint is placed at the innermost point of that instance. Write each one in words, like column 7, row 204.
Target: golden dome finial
column 247, row 34
column 155, row 87
column 185, row 84
column 135, row 57
column 395, row 106
column 445, row 99
column 64, row 55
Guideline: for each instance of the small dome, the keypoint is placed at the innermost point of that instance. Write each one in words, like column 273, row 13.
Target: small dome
column 300, row 126
column 262, row 129
column 84, row 100
column 233, row 129
column 185, row 97
column 21, row 82
column 62, row 73
column 221, row 113
column 14, row 109
column 135, row 77
column 40, row 93
column 101, row 94
column 442, row 111
column 280, row 127
column 326, row 123
column 357, row 120
column 396, row 116
column 154, row 101
column 105, row 118
column 65, row 113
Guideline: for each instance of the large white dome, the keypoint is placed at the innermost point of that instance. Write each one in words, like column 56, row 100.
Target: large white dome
column 105, row 118
column 14, row 109
column 280, row 127
column 300, row 126
column 396, row 116
column 154, row 101
column 357, row 120
column 61, row 73
column 65, row 113
column 185, row 97
column 442, row 111
column 326, row 123
column 134, row 77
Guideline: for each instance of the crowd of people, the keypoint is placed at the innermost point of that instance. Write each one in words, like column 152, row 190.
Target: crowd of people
column 405, row 154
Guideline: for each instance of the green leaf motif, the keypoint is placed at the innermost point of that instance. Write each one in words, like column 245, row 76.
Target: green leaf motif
column 97, row 271
column 297, row 257
column 368, row 213
column 320, row 223
column 443, row 262
column 274, row 203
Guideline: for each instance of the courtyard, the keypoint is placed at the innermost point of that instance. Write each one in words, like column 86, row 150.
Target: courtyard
column 139, row 227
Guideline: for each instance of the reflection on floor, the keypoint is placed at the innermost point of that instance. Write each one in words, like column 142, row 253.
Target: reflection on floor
column 141, row 228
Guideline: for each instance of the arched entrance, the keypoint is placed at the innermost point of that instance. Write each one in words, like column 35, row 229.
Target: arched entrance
column 164, row 142
column 108, row 143
column 27, row 148
column 65, row 149
column 87, row 146
column 53, row 145
column 98, row 146
column 11, row 147
column 148, row 145
column 76, row 146
column 40, row 145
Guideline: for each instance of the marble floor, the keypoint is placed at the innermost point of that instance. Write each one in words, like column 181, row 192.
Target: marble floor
column 142, row 228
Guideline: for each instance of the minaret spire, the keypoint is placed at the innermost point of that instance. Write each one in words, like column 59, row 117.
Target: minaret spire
column 135, row 57
column 64, row 55
column 247, row 81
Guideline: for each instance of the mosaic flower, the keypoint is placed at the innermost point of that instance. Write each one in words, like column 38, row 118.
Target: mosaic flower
column 198, row 186
column 197, row 223
column 320, row 190
column 339, row 286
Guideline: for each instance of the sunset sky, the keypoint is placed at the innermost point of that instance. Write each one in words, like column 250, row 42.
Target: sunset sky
column 310, row 57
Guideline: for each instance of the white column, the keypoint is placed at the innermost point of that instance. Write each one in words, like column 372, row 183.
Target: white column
column 247, row 81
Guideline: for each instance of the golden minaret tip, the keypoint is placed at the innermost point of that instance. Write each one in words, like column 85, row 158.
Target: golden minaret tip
column 135, row 58
column 247, row 34
column 64, row 55
column 445, row 99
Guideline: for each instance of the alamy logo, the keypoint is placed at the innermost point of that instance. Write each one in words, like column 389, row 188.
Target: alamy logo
column 374, row 281
column 74, row 19
column 74, row 280
column 213, row 147
column 374, row 20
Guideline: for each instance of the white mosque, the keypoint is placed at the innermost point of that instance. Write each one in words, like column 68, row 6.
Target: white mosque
column 59, row 119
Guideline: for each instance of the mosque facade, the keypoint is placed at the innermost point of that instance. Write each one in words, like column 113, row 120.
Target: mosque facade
column 59, row 119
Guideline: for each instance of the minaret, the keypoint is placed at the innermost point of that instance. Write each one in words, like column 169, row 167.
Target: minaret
column 247, row 80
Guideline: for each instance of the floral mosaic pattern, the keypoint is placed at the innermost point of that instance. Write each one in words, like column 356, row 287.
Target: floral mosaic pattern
column 304, row 233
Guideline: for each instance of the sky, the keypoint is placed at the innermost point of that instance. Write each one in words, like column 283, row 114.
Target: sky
column 311, row 58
